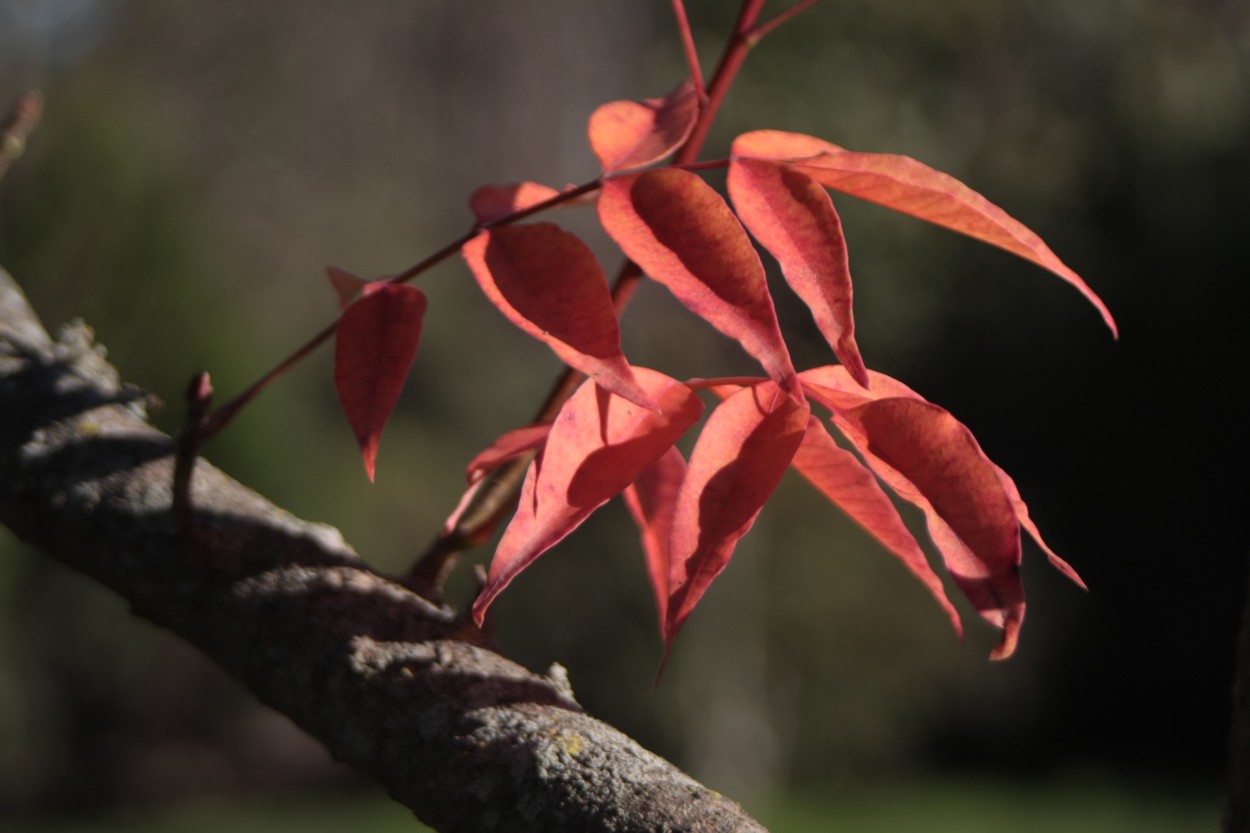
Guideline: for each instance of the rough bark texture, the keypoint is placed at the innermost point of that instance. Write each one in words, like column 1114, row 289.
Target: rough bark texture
column 467, row 739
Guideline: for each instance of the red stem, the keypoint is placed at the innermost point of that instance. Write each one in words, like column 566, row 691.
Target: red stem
column 687, row 44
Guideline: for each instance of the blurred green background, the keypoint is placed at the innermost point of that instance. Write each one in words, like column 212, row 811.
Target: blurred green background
column 201, row 163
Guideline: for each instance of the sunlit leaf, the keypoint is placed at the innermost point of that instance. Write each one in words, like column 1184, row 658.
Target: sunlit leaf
column 492, row 202
column 652, row 500
column 905, row 185
column 629, row 134
column 374, row 347
column 742, row 452
column 548, row 283
column 841, row 477
column 683, row 234
column 792, row 216
column 509, row 446
column 598, row 445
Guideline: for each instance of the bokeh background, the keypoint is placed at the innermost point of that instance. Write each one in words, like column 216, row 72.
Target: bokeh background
column 201, row 163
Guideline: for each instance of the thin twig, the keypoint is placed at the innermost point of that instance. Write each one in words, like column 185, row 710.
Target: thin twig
column 759, row 32
column 687, row 44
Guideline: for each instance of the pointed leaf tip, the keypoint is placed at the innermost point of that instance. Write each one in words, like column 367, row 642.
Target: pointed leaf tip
column 598, row 445
column 630, row 134
column 683, row 234
column 374, row 347
column 793, row 218
column 741, row 454
column 547, row 282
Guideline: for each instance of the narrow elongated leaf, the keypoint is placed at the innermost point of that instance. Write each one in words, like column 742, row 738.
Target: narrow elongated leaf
column 792, row 216
column 744, row 448
column 507, row 447
column 931, row 460
column 373, row 350
column 842, row 478
column 598, row 445
column 491, row 202
column 683, row 234
column 652, row 500
column 905, row 185
column 1022, row 514
column 548, row 283
column 629, row 134
column 911, row 187
column 831, row 387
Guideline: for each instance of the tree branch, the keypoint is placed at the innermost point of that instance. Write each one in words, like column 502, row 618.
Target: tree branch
column 390, row 683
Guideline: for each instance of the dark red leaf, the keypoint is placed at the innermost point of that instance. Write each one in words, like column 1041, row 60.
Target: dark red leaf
column 509, row 446
column 629, row 134
column 742, row 452
column 374, row 347
column 683, row 234
column 492, row 202
column 792, row 216
column 844, row 480
column 548, row 283
column 598, row 445
column 652, row 500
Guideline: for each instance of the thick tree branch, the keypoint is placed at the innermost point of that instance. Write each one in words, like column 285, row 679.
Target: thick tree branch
column 388, row 681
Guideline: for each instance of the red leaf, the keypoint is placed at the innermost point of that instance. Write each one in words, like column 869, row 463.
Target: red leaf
column 374, row 347
column 629, row 134
column 931, row 460
column 1022, row 514
column 598, row 445
column 793, row 217
column 780, row 145
column 683, row 234
column 908, row 186
column 548, row 283
column 742, row 452
column 652, row 499
column 903, row 184
column 842, row 478
column 492, row 202
column 509, row 446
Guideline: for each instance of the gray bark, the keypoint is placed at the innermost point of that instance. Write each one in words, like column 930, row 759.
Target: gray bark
column 391, row 684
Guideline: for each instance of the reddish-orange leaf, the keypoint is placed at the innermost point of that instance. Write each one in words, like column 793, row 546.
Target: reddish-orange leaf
column 548, row 283
column 652, row 499
column 911, row 187
column 598, row 445
column 491, row 202
column 374, row 347
column 509, row 446
column 778, row 144
column 1022, row 514
column 629, row 134
column 831, row 387
column 844, row 480
column 792, row 216
column 683, row 234
column 931, row 460
column 742, row 452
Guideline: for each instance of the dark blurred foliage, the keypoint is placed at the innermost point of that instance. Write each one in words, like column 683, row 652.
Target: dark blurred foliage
column 200, row 164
